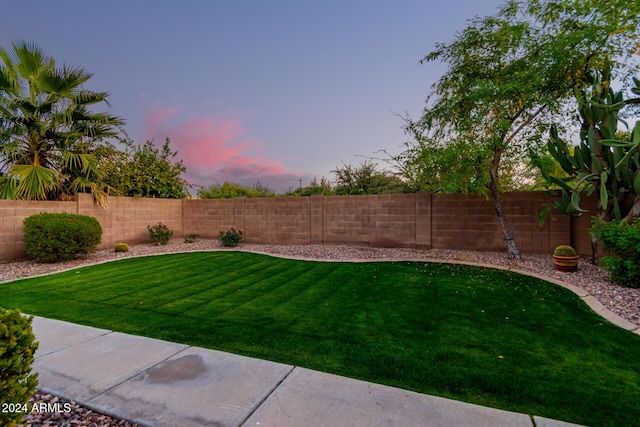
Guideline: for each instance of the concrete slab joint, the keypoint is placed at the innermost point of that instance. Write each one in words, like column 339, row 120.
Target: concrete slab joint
column 164, row 384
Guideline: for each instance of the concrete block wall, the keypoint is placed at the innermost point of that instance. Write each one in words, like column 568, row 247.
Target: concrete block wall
column 12, row 215
column 385, row 220
column 469, row 222
column 395, row 220
column 580, row 225
column 463, row 222
column 207, row 217
column 316, row 219
column 523, row 212
column 126, row 219
column 443, row 221
column 423, row 221
column 279, row 220
column 348, row 219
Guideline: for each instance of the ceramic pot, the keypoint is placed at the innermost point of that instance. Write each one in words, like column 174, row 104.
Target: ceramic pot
column 566, row 264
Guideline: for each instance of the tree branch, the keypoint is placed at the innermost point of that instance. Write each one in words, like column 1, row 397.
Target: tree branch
column 525, row 123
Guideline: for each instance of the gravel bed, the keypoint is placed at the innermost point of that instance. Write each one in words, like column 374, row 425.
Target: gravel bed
column 66, row 413
column 625, row 302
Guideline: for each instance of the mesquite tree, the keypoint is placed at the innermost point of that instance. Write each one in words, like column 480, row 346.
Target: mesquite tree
column 509, row 76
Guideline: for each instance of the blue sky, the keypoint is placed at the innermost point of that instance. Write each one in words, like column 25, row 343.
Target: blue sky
column 272, row 90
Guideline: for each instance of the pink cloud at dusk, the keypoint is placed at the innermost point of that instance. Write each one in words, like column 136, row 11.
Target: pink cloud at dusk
column 216, row 149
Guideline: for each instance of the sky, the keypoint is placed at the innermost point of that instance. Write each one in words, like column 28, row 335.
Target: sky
column 276, row 91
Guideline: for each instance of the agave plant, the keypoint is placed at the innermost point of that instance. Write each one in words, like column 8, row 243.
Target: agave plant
column 47, row 128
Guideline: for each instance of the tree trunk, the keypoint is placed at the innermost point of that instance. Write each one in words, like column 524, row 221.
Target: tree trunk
column 496, row 197
column 635, row 210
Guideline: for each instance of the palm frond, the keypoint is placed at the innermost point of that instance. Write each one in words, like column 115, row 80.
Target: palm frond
column 87, row 97
column 99, row 190
column 8, row 187
column 34, row 181
column 80, row 161
column 31, row 60
column 7, row 83
column 65, row 82
column 8, row 75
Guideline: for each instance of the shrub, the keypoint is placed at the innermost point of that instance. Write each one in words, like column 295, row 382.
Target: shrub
column 17, row 348
column 52, row 237
column 564, row 250
column 622, row 241
column 232, row 237
column 230, row 190
column 191, row 237
column 122, row 247
column 160, row 233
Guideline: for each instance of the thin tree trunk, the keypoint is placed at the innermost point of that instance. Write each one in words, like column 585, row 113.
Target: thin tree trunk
column 496, row 197
column 635, row 210
column 494, row 186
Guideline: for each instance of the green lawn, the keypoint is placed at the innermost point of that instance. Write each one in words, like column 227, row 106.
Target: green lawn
column 479, row 335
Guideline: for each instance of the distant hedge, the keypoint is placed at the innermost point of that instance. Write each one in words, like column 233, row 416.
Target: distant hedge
column 53, row 237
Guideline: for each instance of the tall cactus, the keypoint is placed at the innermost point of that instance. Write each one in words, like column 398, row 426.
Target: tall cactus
column 600, row 163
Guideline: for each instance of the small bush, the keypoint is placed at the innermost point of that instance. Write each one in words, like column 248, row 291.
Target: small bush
column 52, row 237
column 232, row 237
column 622, row 240
column 17, row 348
column 160, row 233
column 191, row 237
column 564, row 250
column 122, row 247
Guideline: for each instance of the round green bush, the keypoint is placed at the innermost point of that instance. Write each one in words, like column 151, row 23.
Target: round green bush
column 160, row 233
column 122, row 247
column 622, row 241
column 17, row 348
column 232, row 237
column 53, row 237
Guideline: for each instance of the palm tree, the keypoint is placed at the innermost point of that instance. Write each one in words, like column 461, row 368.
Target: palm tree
column 46, row 128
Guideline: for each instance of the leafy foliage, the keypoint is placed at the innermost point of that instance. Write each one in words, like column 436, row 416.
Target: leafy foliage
column 17, row 349
column 428, row 167
column 366, row 179
column 323, row 187
column 191, row 237
column 47, row 128
column 53, row 237
column 231, row 237
column 229, row 190
column 143, row 170
column 622, row 240
column 159, row 233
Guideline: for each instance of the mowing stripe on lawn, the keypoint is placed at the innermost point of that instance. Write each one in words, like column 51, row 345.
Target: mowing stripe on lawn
column 484, row 336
